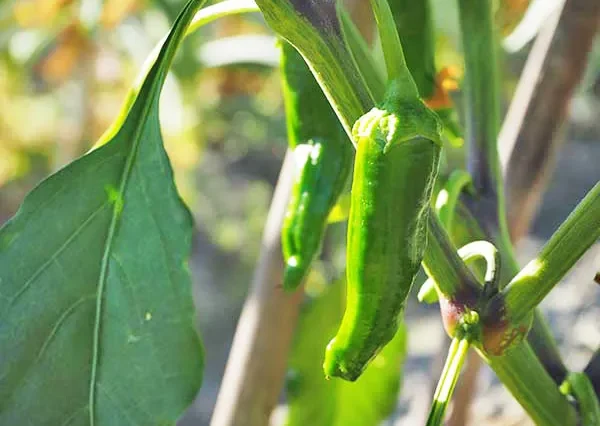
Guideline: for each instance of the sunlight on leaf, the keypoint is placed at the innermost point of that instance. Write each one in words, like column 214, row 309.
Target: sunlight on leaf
column 96, row 314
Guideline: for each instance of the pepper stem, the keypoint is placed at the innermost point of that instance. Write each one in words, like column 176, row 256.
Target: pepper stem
column 443, row 393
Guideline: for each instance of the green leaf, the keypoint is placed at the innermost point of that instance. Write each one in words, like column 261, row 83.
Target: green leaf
column 96, row 315
column 316, row 401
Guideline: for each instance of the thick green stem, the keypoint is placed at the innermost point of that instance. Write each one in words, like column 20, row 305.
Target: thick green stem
column 523, row 375
column 518, row 369
column 481, row 92
column 561, row 252
column 465, row 229
column 579, row 386
column 442, row 263
column 544, row 345
column 414, row 23
column 482, row 99
column 390, row 40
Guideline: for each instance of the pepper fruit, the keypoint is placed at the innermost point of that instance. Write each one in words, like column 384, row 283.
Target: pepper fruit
column 397, row 158
column 324, row 158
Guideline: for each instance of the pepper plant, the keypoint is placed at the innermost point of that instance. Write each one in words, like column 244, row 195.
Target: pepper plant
column 96, row 315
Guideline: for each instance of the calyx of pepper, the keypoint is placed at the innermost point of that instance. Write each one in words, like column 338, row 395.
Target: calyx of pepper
column 402, row 116
column 459, row 315
column 487, row 324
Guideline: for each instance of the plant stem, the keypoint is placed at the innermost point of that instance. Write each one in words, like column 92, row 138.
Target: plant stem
column 442, row 263
column 535, row 389
column 466, row 229
column 578, row 385
column 390, row 40
column 544, row 345
column 481, row 92
column 482, row 98
column 414, row 24
column 523, row 375
column 314, row 30
column 487, row 207
column 443, row 393
column 575, row 235
column 221, row 10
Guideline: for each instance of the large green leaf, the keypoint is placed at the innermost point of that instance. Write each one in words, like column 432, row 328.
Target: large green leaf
column 96, row 315
column 313, row 400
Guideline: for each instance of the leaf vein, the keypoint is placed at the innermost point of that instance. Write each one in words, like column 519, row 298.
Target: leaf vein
column 106, row 392
column 59, row 323
column 77, row 177
column 154, row 351
column 63, row 247
column 73, row 415
column 117, row 211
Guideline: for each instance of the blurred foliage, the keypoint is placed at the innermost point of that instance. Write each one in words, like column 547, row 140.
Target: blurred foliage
column 63, row 77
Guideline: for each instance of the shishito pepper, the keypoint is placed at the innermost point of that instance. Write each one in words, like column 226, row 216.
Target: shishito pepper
column 323, row 155
column 398, row 150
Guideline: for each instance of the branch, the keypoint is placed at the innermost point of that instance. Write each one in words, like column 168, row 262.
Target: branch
column 530, row 135
column 257, row 363
column 526, row 379
column 482, row 99
column 530, row 130
column 576, row 234
column 483, row 209
column 441, row 262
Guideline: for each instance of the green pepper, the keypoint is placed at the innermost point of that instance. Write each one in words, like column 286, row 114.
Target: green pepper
column 323, row 155
column 398, row 150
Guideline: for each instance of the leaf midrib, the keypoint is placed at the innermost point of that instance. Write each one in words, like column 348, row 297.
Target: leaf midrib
column 117, row 210
column 162, row 64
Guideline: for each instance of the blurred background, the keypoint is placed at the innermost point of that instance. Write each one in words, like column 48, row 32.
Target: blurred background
column 64, row 74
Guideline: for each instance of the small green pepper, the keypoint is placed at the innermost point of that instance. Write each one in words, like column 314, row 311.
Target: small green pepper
column 324, row 158
column 398, row 150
